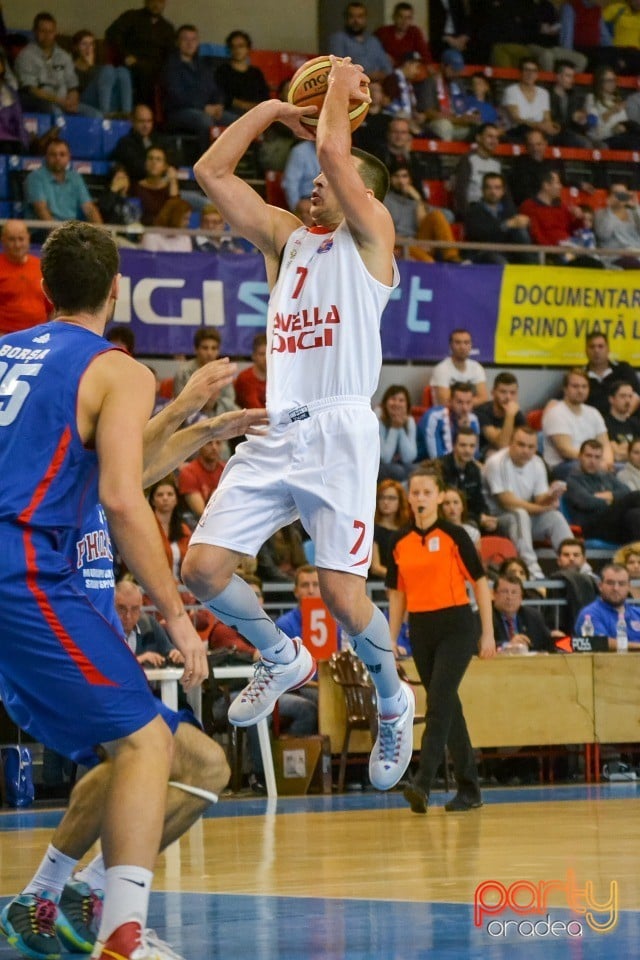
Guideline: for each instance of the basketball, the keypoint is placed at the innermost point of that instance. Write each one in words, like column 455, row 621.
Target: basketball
column 308, row 88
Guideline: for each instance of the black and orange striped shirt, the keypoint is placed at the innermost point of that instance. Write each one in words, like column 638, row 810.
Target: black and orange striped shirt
column 432, row 566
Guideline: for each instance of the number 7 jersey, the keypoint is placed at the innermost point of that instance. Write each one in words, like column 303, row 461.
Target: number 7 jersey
column 323, row 329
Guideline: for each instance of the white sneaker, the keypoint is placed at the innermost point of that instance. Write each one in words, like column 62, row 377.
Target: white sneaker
column 163, row 949
column 130, row 942
column 270, row 680
column 392, row 750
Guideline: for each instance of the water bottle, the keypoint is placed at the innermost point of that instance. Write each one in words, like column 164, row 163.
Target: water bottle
column 622, row 640
column 587, row 626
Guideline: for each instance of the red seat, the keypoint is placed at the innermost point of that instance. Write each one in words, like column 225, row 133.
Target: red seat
column 495, row 550
column 534, row 419
column 436, row 192
column 166, row 388
column 274, row 194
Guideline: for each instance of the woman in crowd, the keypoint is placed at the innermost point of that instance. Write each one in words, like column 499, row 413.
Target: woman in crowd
column 454, row 509
column 516, row 567
column 175, row 213
column 629, row 557
column 159, row 185
column 243, row 86
column 392, row 514
column 608, row 123
column 398, row 444
column 163, row 497
column 281, row 554
column 431, row 563
column 105, row 88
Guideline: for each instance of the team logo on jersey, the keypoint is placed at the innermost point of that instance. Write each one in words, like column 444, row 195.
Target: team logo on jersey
column 43, row 339
column 325, row 246
column 305, row 330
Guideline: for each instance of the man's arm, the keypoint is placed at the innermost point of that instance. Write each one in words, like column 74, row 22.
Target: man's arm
column 564, row 445
column 499, row 437
column 91, row 212
column 509, row 501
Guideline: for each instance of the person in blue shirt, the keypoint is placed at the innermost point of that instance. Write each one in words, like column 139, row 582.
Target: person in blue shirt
column 56, row 192
column 605, row 611
column 356, row 42
column 438, row 427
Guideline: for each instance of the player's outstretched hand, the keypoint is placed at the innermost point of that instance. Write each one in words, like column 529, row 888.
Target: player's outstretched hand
column 352, row 75
column 290, row 116
column 238, row 423
column 207, row 382
column 186, row 640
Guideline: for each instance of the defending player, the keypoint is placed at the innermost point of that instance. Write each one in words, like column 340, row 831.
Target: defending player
column 329, row 286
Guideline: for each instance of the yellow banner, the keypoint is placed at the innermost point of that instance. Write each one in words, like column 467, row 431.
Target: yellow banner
column 545, row 314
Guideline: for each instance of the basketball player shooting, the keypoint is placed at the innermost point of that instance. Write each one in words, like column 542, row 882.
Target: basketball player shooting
column 319, row 460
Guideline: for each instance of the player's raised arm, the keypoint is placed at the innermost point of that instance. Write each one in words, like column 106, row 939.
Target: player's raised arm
column 368, row 219
column 265, row 226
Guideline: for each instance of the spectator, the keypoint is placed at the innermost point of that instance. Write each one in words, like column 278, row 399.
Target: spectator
column 629, row 557
column 159, row 185
column 527, row 508
column 622, row 426
column 305, row 584
column 176, row 214
column 13, row 137
column 480, row 100
column 600, row 503
column 414, row 218
column 612, row 605
column 251, row 385
column 607, row 118
column 526, row 173
column 131, row 150
column 22, row 300
column 392, row 514
column 206, row 343
column 438, row 427
column 281, row 555
column 623, row 20
column 494, row 24
column 515, row 625
column 301, row 169
column 453, row 507
column 48, row 81
column 372, row 132
column 580, row 583
column 499, row 416
column 116, row 206
column 397, row 435
column 56, row 192
column 544, row 38
column 192, row 98
column 630, row 473
column 448, row 27
column 495, row 219
column 164, row 500
column 551, row 222
column 242, row 85
column 105, row 88
column 617, row 226
column 460, row 469
column 399, row 90
column 199, row 478
column 146, row 638
column 356, row 42
column 603, row 372
column 444, row 102
column 516, row 567
column 582, row 27
column 571, row 556
column 528, row 104
column 472, row 168
column 142, row 40
column 124, row 337
column 566, row 424
column 396, row 151
column 458, row 368
column 403, row 36
column 568, row 111
column 212, row 221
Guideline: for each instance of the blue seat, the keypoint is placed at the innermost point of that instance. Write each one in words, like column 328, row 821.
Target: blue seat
column 213, row 50
column 309, row 551
column 4, row 178
column 591, row 544
column 36, row 124
column 84, row 136
column 6, row 209
column 112, row 131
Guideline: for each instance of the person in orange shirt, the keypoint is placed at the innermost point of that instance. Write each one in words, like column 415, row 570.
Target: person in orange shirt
column 22, row 302
column 251, row 384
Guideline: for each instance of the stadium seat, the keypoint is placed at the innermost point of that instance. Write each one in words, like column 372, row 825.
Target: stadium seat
column 534, row 418
column 274, row 194
column 36, row 124
column 4, row 179
column 6, row 209
column 436, row 192
column 494, row 550
column 166, row 388
column 593, row 543
column 112, row 131
column 425, row 402
column 84, row 136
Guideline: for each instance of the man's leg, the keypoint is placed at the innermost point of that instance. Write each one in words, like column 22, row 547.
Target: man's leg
column 523, row 540
column 552, row 526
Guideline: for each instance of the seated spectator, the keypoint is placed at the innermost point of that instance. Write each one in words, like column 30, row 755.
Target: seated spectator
column 499, row 416
column 192, row 98
column 438, row 427
column 392, row 514
column 571, row 556
column 404, row 36
column 449, row 27
column 104, row 87
column 159, row 184
column 623, row 20
column 630, row 473
column 164, row 500
column 213, row 222
column 568, row 111
column 603, row 372
column 611, row 606
column 131, row 150
column 498, row 32
column 444, row 101
column 516, row 567
column 199, row 478
column 115, row 204
column 580, row 583
column 544, row 38
column 623, row 427
column 276, row 142
column 629, row 557
column 460, row 470
column 251, row 384
column 142, row 39
column 453, row 507
column 582, row 27
column 56, row 192
column 22, row 300
column 175, row 214
column 13, row 137
column 600, row 503
column 414, row 218
column 617, row 226
column 528, row 104
column 281, row 555
column 608, row 123
column 551, row 222
column 527, row 171
column 473, row 167
column 301, row 169
column 241, row 84
column 372, row 132
column 480, row 101
column 206, row 344
column 396, row 151
column 122, row 336
column 399, row 90
column 146, row 638
column 458, row 368
column 566, row 424
column 495, row 219
column 526, row 507
column 398, row 447
column 584, row 237
column 305, row 584
column 515, row 625
column 356, row 42
column 47, row 79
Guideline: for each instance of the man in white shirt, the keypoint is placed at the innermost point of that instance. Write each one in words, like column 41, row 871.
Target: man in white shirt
column 568, row 423
column 458, row 368
column 526, row 506
column 528, row 105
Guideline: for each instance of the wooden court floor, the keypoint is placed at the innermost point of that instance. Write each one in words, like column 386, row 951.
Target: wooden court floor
column 359, row 877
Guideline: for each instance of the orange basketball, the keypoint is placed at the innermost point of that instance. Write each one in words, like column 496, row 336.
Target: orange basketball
column 308, row 87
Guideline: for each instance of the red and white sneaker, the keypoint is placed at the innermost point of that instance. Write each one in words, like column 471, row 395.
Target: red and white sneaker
column 270, row 681
column 129, row 942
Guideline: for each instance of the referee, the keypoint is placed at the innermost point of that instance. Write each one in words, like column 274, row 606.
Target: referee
column 430, row 564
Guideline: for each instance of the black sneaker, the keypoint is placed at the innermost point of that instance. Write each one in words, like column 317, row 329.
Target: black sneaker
column 416, row 797
column 28, row 923
column 462, row 803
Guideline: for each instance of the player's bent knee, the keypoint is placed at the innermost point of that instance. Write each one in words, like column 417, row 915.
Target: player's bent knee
column 206, row 570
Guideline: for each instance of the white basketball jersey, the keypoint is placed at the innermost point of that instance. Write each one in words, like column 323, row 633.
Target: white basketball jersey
column 323, row 328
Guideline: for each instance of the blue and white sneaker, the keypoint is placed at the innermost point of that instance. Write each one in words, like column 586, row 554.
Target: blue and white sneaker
column 392, row 750
column 270, row 681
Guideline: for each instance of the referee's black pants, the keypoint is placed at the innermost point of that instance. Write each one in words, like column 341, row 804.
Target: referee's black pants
column 443, row 642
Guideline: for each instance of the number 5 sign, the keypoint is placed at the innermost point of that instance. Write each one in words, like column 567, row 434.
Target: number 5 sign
column 319, row 629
